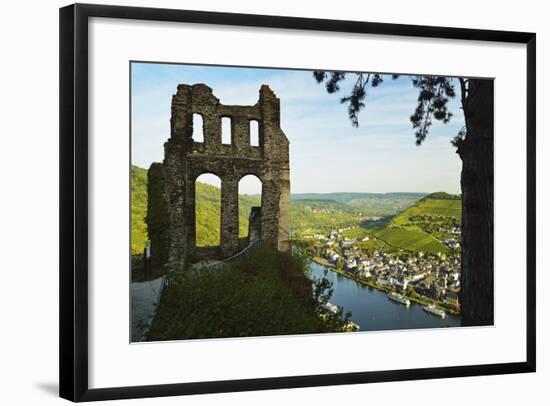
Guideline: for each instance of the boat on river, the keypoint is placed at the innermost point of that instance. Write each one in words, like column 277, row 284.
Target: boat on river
column 331, row 308
column 434, row 310
column 397, row 297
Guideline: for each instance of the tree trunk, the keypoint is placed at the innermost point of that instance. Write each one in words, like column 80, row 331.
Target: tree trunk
column 476, row 152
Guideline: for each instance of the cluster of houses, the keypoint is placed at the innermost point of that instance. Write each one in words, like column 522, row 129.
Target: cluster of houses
column 451, row 230
column 335, row 237
column 434, row 276
column 451, row 243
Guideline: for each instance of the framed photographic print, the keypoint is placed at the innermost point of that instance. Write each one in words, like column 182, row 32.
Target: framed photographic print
column 240, row 194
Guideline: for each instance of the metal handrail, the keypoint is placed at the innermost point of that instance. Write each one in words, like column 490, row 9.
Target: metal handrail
column 232, row 257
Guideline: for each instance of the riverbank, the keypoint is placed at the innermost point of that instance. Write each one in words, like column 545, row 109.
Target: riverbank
column 416, row 299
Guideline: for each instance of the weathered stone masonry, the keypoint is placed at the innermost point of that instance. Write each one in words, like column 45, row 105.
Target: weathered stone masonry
column 185, row 160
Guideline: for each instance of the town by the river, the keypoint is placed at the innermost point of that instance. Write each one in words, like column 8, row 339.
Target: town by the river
column 371, row 308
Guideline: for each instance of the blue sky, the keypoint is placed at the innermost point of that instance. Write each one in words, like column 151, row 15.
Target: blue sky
column 327, row 154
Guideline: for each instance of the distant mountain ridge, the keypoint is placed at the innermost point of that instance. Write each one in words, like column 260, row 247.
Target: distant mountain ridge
column 375, row 204
column 349, row 196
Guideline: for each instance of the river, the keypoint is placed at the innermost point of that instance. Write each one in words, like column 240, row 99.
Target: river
column 372, row 309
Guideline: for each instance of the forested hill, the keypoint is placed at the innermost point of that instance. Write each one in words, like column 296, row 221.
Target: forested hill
column 139, row 208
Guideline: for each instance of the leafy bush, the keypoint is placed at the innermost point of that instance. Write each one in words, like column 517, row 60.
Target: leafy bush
column 137, row 261
column 443, row 196
column 158, row 215
column 266, row 293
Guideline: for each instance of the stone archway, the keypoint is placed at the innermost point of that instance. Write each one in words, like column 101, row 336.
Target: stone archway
column 250, row 187
column 208, row 235
column 185, row 159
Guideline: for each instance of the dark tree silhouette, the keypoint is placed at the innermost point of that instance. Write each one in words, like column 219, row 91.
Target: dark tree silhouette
column 474, row 145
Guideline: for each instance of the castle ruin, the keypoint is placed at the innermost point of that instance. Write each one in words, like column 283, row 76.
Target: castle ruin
column 172, row 183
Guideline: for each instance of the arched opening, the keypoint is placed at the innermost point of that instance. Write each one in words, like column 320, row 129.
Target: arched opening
column 198, row 127
column 250, row 195
column 226, row 130
column 254, row 133
column 207, row 210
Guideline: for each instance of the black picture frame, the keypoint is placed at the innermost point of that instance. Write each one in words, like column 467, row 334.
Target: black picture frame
column 74, row 201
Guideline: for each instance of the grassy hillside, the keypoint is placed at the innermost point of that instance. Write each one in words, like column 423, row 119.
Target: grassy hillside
column 421, row 226
column 409, row 238
column 432, row 207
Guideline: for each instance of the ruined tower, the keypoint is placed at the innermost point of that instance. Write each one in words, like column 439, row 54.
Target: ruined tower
column 185, row 160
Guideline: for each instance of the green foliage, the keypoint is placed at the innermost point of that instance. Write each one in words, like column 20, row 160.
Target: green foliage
column 207, row 214
column 267, row 293
column 433, row 96
column 157, row 218
column 138, row 188
column 443, row 196
column 356, row 232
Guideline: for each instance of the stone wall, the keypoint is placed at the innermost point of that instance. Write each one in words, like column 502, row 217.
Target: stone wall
column 185, row 160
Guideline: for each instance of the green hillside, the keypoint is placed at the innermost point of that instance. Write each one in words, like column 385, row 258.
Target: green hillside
column 422, row 226
column 409, row 238
column 311, row 215
column 432, row 207
column 208, row 214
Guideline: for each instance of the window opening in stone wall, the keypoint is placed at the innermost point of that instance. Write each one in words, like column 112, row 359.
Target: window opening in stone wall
column 198, row 135
column 254, row 133
column 226, row 130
